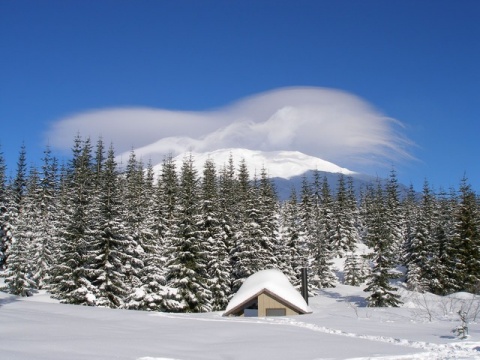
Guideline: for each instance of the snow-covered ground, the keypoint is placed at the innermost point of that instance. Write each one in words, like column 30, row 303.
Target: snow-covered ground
column 340, row 327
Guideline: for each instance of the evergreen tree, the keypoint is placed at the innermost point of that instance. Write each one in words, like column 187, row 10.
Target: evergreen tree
column 187, row 261
column 269, row 222
column 136, row 207
column 306, row 235
column 354, row 270
column 421, row 244
column 152, row 294
column 213, row 237
column 46, row 223
column 467, row 240
column 245, row 251
column 72, row 283
column 18, row 271
column 20, row 181
column 379, row 235
column 166, row 206
column 13, row 198
column 294, row 256
column 3, row 209
column 394, row 217
column 345, row 232
column 410, row 211
column 106, row 271
column 443, row 259
column 323, row 233
column 228, row 212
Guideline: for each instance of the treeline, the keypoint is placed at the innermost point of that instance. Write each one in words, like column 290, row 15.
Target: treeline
column 92, row 233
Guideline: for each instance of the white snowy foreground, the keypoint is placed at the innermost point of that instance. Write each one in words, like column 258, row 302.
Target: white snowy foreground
column 340, row 327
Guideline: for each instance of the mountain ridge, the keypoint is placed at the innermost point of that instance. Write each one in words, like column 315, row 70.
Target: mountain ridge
column 278, row 164
column 286, row 169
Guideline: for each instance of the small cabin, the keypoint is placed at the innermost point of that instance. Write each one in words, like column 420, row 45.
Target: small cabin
column 267, row 293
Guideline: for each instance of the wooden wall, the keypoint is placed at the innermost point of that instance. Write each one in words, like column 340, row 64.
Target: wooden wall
column 266, row 302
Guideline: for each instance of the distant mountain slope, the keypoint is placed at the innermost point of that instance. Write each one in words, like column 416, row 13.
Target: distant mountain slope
column 279, row 164
column 285, row 168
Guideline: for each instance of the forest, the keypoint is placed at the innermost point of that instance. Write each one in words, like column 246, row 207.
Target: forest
column 93, row 232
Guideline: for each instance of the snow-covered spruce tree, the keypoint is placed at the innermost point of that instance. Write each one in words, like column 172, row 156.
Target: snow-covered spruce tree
column 46, row 224
column 18, row 271
column 248, row 254
column 166, row 204
column 467, row 239
column 186, row 266
column 153, row 294
column 269, row 222
column 13, row 199
column 17, row 274
column 410, row 212
column 71, row 281
column 345, row 234
column 306, row 236
column 3, row 209
column 394, row 217
column 213, row 236
column 109, row 245
column 354, row 270
column 228, row 211
column 322, row 275
column 443, row 258
column 136, row 207
column 144, row 278
column 421, row 244
column 378, row 236
column 294, row 256
column 242, row 254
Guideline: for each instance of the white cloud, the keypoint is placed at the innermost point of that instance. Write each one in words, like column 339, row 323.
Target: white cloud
column 330, row 124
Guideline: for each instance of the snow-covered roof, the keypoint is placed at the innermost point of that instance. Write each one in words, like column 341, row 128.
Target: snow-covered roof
column 272, row 281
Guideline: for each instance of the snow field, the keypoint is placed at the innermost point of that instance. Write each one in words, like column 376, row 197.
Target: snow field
column 339, row 328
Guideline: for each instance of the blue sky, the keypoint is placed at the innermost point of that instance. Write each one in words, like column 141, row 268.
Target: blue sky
column 79, row 63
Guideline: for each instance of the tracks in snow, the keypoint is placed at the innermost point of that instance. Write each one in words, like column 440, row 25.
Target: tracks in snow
column 458, row 351
column 437, row 351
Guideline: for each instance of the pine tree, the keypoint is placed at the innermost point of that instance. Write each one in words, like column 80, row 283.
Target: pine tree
column 213, row 236
column 345, row 232
column 410, row 211
column 45, row 229
column 166, row 207
column 467, row 239
column 13, row 198
column 228, row 212
column 421, row 244
column 443, row 259
column 379, row 236
column 246, row 248
column 306, row 235
column 187, row 259
column 323, row 233
column 294, row 255
column 354, row 270
column 269, row 222
column 106, row 271
column 18, row 272
column 136, row 207
column 394, row 217
column 152, row 294
column 72, row 283
column 3, row 210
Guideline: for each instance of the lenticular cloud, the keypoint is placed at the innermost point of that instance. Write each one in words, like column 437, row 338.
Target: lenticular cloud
column 326, row 123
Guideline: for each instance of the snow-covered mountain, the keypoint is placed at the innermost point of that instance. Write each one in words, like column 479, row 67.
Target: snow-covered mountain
column 278, row 164
column 285, row 168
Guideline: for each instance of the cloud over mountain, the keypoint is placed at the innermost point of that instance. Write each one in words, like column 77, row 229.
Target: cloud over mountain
column 326, row 123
